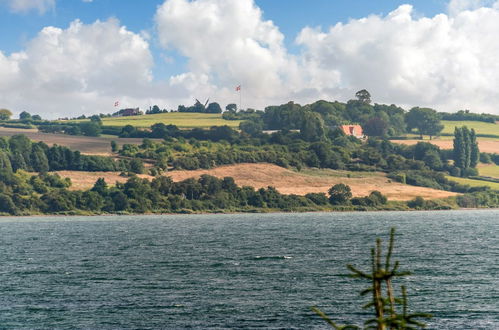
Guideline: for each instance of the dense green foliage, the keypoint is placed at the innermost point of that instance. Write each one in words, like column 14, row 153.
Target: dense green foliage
column 22, row 193
column 425, row 120
column 467, row 115
column 465, row 153
column 20, row 153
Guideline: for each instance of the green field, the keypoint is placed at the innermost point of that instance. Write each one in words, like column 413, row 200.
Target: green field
column 480, row 127
column 180, row 119
column 474, row 183
column 489, row 170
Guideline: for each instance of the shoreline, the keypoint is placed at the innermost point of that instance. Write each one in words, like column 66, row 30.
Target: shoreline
column 228, row 213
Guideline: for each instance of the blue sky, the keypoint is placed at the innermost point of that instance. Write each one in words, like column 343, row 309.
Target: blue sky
column 90, row 53
column 289, row 15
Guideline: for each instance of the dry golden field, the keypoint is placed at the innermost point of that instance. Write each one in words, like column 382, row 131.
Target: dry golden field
column 485, row 145
column 284, row 180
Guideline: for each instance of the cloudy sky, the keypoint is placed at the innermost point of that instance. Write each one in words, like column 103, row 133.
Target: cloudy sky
column 68, row 57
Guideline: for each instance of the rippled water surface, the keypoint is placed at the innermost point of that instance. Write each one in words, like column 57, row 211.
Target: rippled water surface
column 240, row 271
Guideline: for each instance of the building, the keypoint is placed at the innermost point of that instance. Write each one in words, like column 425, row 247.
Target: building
column 353, row 130
column 127, row 112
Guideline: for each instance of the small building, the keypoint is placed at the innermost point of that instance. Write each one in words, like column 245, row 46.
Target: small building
column 127, row 112
column 353, row 130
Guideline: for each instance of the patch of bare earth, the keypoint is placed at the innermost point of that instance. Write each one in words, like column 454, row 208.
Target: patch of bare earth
column 491, row 146
column 85, row 144
column 284, row 180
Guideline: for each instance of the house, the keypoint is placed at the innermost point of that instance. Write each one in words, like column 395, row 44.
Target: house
column 127, row 112
column 353, row 130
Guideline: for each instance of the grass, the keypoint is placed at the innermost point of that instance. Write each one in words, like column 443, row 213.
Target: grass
column 180, row 119
column 480, row 127
column 336, row 173
column 475, row 183
column 489, row 170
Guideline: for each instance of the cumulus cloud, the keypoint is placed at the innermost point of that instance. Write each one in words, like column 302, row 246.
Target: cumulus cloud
column 81, row 69
column 230, row 43
column 23, row 6
column 445, row 62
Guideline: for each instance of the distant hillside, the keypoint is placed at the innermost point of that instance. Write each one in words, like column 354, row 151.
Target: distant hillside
column 179, row 119
column 284, row 180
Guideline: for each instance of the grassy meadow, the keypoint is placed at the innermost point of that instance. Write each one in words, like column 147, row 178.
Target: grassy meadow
column 180, row 119
column 475, row 183
column 489, row 170
column 481, row 128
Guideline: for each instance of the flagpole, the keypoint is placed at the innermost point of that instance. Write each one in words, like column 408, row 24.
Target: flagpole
column 240, row 97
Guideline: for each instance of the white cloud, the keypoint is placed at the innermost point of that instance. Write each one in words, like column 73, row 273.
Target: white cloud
column 81, row 69
column 23, row 6
column 230, row 43
column 444, row 62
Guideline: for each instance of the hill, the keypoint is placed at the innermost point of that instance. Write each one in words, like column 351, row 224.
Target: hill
column 180, row 119
column 284, row 180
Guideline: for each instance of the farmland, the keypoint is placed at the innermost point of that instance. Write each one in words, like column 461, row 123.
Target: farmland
column 180, row 119
column 285, row 181
column 490, row 170
column 488, row 136
column 481, row 128
column 485, row 145
column 85, row 144
column 475, row 183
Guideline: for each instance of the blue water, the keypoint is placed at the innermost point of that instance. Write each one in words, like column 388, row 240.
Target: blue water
column 240, row 271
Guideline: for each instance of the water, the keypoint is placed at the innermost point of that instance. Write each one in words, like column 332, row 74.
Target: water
column 240, row 271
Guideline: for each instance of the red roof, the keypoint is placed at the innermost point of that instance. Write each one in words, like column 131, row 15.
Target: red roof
column 354, row 130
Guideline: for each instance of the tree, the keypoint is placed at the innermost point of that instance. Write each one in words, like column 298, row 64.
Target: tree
column 136, row 166
column 465, row 153
column 7, row 205
column 363, row 96
column 251, row 127
column 474, row 152
column 375, row 127
column 24, row 116
column 91, row 128
column 39, row 161
column 214, row 108
column 312, row 127
column 5, row 114
column 425, row 120
column 114, row 146
column 100, row 187
column 339, row 194
column 232, row 107
column 155, row 109
column 36, row 117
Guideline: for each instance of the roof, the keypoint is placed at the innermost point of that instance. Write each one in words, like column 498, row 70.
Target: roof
column 354, row 130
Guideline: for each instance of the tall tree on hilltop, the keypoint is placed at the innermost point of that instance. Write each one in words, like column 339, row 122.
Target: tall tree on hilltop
column 363, row 96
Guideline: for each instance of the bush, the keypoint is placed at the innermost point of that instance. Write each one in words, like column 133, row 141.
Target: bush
column 339, row 194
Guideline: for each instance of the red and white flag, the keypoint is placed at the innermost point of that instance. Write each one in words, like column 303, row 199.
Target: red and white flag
column 238, row 88
column 116, row 103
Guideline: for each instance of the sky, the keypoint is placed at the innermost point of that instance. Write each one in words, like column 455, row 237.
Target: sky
column 64, row 58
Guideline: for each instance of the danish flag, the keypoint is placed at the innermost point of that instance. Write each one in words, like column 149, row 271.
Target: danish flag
column 238, row 88
column 116, row 103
